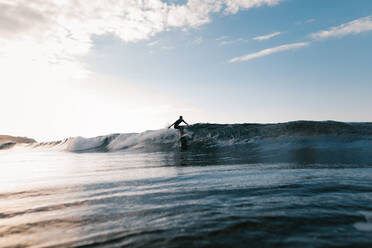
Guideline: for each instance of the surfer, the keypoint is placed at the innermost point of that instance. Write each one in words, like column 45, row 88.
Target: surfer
column 177, row 123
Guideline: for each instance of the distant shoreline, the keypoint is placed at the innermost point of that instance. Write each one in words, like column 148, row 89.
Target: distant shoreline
column 7, row 139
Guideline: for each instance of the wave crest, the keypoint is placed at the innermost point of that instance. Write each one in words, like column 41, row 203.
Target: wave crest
column 296, row 134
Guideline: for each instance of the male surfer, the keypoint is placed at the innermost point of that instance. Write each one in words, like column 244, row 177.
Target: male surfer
column 177, row 123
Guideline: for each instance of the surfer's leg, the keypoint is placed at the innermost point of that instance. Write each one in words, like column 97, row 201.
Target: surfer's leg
column 181, row 130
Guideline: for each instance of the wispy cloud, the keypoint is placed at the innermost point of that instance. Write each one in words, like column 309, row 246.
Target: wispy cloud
column 153, row 43
column 354, row 27
column 197, row 40
column 307, row 21
column 266, row 37
column 310, row 20
column 226, row 42
column 269, row 51
column 167, row 48
column 222, row 38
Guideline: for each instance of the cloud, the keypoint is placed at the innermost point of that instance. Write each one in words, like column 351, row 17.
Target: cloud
column 167, row 48
column 130, row 20
column 153, row 43
column 197, row 40
column 60, row 32
column 310, row 20
column 233, row 6
column 269, row 51
column 227, row 41
column 222, row 38
column 354, row 27
column 26, row 16
column 266, row 37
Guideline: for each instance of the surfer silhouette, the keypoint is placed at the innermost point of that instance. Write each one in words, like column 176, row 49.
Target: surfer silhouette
column 177, row 123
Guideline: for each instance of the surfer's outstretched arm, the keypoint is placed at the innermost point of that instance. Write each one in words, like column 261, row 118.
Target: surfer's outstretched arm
column 185, row 122
column 171, row 125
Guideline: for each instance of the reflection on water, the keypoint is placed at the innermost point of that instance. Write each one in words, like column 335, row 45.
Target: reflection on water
column 217, row 198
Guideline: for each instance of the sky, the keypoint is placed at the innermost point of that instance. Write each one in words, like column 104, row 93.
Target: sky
column 88, row 68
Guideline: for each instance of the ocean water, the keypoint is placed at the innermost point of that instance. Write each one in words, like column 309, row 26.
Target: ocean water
column 303, row 188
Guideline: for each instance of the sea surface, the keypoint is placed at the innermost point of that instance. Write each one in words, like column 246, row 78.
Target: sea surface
column 256, row 194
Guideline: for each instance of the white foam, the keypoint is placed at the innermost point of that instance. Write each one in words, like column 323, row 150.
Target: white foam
column 365, row 226
column 81, row 143
column 144, row 140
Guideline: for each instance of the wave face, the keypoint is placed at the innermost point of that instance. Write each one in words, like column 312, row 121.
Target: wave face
column 290, row 135
column 158, row 140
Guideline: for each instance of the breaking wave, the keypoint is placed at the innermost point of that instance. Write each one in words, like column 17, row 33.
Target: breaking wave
column 292, row 135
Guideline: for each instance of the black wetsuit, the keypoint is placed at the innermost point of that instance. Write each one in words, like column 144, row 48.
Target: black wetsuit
column 177, row 123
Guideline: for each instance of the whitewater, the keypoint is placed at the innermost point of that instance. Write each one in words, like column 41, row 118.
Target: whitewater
column 294, row 184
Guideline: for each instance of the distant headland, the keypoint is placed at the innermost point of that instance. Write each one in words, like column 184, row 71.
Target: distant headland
column 7, row 141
